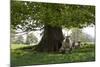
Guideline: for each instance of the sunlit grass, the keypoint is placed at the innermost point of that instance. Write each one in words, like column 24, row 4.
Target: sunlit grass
column 21, row 57
column 16, row 46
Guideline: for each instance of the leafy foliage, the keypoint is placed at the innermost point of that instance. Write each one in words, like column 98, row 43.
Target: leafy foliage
column 30, row 15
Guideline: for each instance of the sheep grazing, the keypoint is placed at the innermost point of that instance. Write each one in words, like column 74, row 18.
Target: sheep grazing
column 66, row 45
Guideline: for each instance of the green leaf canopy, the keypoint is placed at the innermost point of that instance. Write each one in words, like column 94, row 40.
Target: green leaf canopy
column 32, row 15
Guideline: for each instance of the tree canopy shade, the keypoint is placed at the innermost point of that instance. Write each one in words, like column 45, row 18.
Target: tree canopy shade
column 51, row 17
column 31, row 15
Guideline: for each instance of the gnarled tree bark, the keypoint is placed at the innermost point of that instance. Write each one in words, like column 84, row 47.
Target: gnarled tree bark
column 51, row 40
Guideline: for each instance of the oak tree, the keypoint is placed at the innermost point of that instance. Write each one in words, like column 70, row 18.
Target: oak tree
column 51, row 17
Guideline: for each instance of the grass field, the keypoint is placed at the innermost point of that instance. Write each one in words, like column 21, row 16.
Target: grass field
column 21, row 57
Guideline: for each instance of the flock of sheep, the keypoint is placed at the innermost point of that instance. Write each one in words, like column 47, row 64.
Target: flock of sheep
column 68, row 45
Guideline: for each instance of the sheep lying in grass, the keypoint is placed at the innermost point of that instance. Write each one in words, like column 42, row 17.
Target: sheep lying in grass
column 76, row 44
column 66, row 45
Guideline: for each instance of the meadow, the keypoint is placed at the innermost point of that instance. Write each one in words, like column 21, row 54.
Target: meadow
column 23, row 55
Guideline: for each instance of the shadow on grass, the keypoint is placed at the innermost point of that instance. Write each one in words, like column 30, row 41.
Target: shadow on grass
column 28, row 56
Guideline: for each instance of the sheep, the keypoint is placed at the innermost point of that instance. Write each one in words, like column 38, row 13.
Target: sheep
column 76, row 44
column 66, row 45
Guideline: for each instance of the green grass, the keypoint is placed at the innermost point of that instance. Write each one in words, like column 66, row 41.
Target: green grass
column 16, row 46
column 21, row 57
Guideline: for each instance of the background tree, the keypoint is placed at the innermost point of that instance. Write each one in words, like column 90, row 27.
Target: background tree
column 31, row 39
column 30, row 16
column 12, row 36
column 19, row 39
column 78, row 35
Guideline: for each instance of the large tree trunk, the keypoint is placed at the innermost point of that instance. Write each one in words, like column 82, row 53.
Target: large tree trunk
column 51, row 40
